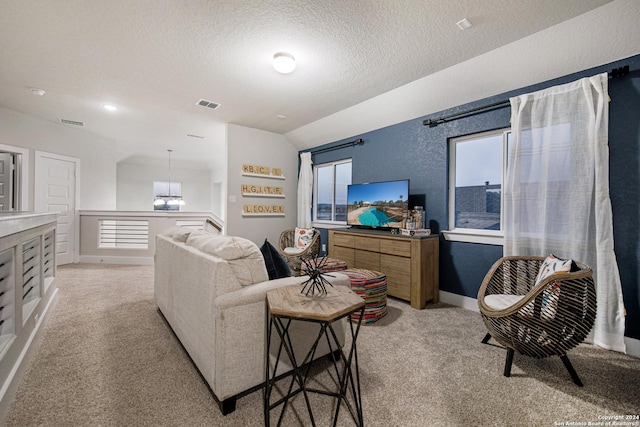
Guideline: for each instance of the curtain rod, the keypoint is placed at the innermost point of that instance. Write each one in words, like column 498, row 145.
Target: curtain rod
column 616, row 72
column 440, row 120
column 358, row 141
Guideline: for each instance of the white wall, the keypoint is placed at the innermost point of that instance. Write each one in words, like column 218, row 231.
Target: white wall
column 257, row 147
column 219, row 192
column 135, row 184
column 96, row 154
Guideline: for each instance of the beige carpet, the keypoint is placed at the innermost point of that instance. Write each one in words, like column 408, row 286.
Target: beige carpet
column 108, row 359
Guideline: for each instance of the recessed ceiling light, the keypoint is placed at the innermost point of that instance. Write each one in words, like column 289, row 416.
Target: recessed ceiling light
column 38, row 92
column 110, row 107
column 284, row 62
column 464, row 24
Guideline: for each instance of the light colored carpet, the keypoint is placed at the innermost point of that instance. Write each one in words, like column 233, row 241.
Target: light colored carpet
column 108, row 359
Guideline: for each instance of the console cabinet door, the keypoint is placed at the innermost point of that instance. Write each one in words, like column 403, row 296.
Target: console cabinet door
column 398, row 271
column 367, row 260
column 345, row 254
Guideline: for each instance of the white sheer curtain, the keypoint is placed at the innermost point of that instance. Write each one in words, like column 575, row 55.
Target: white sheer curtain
column 556, row 192
column 305, row 190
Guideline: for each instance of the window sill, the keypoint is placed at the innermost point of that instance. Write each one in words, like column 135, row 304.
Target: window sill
column 329, row 224
column 474, row 237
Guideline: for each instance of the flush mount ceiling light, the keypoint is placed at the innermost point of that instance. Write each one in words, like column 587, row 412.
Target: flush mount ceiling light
column 37, row 92
column 284, row 62
column 110, row 107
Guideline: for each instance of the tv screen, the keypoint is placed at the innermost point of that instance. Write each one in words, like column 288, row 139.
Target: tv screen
column 378, row 204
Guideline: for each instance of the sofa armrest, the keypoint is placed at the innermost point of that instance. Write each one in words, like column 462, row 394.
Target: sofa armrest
column 258, row 292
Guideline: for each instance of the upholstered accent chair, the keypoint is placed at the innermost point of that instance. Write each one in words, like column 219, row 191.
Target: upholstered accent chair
column 538, row 320
column 293, row 253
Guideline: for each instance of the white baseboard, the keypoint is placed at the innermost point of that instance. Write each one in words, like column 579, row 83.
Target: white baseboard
column 459, row 301
column 92, row 259
column 632, row 344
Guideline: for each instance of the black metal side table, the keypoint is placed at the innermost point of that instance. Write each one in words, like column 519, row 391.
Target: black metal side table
column 284, row 305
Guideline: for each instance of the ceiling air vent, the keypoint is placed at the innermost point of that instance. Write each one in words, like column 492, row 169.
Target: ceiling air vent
column 208, row 104
column 71, row 122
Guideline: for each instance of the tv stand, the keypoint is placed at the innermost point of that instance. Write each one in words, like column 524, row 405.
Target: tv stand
column 410, row 262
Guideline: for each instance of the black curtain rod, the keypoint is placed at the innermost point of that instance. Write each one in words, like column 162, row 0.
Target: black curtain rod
column 616, row 72
column 358, row 141
column 440, row 120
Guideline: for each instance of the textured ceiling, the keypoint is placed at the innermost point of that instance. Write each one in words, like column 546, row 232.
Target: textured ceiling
column 155, row 59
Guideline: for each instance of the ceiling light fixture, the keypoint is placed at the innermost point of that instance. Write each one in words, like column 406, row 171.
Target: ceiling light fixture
column 110, row 107
column 38, row 92
column 284, row 62
column 464, row 24
column 168, row 199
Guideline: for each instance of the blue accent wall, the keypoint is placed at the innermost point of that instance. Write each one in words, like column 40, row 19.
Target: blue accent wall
column 420, row 153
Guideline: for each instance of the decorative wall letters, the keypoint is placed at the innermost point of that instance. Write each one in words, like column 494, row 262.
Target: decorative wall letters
column 254, row 190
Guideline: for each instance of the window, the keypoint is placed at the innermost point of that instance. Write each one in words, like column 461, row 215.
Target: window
column 476, row 169
column 330, row 191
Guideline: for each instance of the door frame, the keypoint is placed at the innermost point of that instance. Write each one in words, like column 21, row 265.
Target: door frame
column 24, row 202
column 38, row 200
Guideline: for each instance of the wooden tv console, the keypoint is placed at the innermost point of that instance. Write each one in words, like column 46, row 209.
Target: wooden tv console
column 410, row 262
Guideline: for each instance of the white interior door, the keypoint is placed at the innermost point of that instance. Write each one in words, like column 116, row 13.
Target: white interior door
column 55, row 188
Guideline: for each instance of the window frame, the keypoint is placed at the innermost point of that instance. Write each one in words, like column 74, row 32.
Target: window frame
column 324, row 222
column 475, row 235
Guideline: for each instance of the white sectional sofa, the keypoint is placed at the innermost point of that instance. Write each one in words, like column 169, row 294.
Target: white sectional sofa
column 211, row 290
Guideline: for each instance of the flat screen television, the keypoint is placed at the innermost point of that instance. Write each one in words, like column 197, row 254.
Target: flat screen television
column 381, row 204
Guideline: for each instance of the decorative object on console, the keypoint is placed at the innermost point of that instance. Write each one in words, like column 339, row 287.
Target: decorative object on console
column 415, row 232
column 316, row 284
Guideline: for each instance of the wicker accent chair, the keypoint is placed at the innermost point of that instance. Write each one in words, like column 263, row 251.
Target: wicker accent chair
column 294, row 260
column 538, row 321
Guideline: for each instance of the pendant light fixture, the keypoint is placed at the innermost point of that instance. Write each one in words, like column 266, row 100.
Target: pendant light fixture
column 168, row 199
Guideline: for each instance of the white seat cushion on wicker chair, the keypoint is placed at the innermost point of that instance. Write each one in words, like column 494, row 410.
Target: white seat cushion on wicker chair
column 502, row 301
column 293, row 251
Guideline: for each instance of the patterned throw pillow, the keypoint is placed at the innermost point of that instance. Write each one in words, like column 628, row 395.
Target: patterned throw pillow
column 553, row 265
column 550, row 266
column 302, row 237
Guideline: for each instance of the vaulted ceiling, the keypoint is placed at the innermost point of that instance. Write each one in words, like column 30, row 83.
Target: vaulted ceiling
column 154, row 59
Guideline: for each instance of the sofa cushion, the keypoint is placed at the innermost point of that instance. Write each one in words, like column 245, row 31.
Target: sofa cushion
column 277, row 267
column 179, row 234
column 242, row 255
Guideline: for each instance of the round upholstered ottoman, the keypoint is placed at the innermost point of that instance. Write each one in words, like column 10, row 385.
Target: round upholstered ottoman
column 372, row 287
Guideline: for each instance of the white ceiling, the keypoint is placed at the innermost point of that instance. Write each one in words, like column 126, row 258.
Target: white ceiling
column 155, row 59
